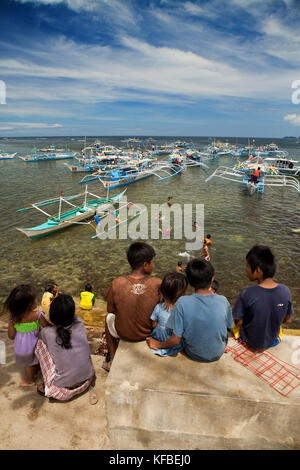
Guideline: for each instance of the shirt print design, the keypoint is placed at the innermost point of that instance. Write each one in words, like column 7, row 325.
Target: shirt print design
column 138, row 289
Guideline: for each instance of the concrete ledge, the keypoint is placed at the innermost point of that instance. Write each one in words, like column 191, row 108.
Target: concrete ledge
column 176, row 403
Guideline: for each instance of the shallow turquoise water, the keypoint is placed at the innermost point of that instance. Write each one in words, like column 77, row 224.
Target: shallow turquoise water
column 235, row 220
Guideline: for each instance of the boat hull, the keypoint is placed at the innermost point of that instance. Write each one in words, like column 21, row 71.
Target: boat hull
column 71, row 217
column 47, row 228
column 120, row 183
column 48, row 159
column 7, row 157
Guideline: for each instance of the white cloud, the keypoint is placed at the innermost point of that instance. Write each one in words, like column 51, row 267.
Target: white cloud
column 36, row 125
column 116, row 10
column 293, row 119
column 196, row 10
column 139, row 71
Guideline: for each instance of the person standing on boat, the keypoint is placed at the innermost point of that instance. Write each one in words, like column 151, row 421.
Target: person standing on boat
column 255, row 176
column 97, row 218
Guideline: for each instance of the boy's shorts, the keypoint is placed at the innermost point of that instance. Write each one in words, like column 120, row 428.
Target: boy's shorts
column 110, row 321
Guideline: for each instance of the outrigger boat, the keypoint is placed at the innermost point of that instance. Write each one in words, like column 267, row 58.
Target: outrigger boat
column 39, row 156
column 195, row 158
column 134, row 171
column 271, row 165
column 88, row 165
column 6, row 156
column 76, row 215
column 244, row 178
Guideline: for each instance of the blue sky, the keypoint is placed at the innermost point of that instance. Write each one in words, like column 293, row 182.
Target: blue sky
column 155, row 67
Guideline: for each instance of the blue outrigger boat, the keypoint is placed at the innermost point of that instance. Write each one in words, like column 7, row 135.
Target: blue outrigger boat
column 244, row 177
column 134, row 171
column 76, row 215
column 40, row 156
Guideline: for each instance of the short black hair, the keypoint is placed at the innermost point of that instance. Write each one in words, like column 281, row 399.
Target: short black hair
column 88, row 287
column 208, row 236
column 261, row 256
column 49, row 287
column 179, row 263
column 139, row 253
column 199, row 273
column 172, row 287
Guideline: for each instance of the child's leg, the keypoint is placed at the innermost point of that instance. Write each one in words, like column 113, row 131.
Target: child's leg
column 30, row 373
column 92, row 395
column 112, row 343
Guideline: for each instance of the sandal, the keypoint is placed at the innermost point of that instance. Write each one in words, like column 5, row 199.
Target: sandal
column 40, row 391
column 106, row 365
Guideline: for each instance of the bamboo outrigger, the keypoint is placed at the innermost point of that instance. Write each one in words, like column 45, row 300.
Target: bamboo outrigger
column 76, row 215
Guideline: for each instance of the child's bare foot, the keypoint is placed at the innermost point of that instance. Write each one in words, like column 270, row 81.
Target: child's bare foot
column 23, row 383
column 93, row 398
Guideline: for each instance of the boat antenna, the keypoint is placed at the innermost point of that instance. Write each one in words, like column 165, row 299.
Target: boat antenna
column 60, row 201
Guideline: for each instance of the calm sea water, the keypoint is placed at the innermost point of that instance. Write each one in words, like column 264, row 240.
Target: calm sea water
column 235, row 220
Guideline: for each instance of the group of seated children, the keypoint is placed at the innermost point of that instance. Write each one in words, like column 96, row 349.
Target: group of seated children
column 142, row 307
column 59, row 348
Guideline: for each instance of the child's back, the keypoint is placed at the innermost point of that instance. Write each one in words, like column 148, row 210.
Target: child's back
column 202, row 322
column 87, row 298
column 24, row 326
column 132, row 300
column 263, row 311
column 172, row 287
column 260, row 310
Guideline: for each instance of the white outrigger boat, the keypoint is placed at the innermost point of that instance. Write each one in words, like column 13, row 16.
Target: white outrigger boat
column 76, row 215
column 271, row 165
column 134, row 171
column 244, row 178
column 40, row 156
column 7, row 156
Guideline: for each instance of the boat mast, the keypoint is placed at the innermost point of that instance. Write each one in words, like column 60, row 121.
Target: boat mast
column 85, row 194
column 60, row 201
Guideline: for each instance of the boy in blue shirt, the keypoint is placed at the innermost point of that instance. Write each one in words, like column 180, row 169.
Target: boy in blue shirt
column 201, row 320
column 260, row 310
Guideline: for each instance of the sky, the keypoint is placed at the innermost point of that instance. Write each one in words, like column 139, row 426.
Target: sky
column 150, row 67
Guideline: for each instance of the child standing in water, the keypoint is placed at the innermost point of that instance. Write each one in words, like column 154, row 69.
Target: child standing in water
column 205, row 253
column 173, row 286
column 24, row 325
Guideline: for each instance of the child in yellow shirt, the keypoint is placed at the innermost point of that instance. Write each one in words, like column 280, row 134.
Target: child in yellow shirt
column 87, row 298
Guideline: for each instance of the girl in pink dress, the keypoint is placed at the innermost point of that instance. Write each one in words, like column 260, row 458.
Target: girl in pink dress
column 24, row 326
